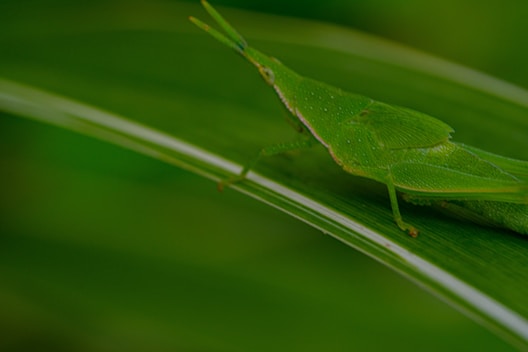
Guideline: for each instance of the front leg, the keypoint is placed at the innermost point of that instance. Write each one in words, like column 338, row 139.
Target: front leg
column 268, row 151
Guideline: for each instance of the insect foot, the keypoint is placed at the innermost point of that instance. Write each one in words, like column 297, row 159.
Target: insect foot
column 413, row 232
column 229, row 181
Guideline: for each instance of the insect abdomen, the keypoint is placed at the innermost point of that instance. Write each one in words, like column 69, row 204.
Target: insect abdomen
column 502, row 214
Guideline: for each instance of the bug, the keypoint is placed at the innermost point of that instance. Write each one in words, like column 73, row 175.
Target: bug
column 410, row 152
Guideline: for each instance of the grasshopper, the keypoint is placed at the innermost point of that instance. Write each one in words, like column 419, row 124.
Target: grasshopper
column 408, row 151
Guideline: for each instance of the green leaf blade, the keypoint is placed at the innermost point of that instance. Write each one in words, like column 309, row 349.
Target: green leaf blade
column 163, row 116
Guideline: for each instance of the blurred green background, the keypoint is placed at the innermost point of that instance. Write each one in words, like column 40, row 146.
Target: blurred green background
column 103, row 249
column 488, row 35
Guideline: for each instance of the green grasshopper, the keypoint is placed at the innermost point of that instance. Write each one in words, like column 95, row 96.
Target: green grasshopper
column 410, row 152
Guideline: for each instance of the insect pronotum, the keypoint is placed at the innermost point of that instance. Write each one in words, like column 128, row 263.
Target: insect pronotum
column 410, row 152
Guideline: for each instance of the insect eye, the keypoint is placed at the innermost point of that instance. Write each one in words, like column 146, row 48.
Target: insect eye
column 268, row 74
